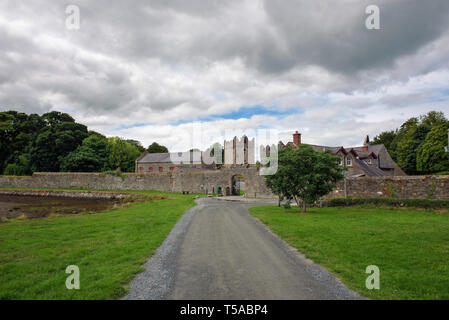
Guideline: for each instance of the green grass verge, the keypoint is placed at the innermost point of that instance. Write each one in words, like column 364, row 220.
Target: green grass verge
column 108, row 247
column 411, row 247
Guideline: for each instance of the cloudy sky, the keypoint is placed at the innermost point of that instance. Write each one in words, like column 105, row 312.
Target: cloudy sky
column 152, row 70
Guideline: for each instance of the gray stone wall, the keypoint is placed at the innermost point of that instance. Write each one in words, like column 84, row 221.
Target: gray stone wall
column 192, row 181
column 431, row 187
column 402, row 187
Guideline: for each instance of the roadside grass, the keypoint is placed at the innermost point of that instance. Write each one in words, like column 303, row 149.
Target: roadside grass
column 108, row 247
column 410, row 246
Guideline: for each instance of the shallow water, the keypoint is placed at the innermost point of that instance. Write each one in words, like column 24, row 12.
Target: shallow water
column 40, row 207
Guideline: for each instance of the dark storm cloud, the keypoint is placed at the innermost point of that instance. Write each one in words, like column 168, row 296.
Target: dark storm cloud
column 150, row 61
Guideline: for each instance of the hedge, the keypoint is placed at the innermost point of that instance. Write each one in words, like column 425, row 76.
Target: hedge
column 417, row 203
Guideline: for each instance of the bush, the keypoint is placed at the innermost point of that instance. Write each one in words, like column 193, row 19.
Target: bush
column 417, row 203
column 287, row 205
column 14, row 169
column 117, row 173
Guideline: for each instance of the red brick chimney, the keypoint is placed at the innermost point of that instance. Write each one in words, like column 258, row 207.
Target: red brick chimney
column 297, row 138
column 365, row 144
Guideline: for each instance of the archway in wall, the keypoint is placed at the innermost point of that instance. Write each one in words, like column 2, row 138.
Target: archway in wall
column 238, row 185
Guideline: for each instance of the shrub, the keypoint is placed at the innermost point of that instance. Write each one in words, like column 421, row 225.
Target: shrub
column 14, row 169
column 287, row 205
column 117, row 172
column 417, row 203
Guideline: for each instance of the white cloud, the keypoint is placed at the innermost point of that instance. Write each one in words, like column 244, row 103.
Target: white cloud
column 160, row 62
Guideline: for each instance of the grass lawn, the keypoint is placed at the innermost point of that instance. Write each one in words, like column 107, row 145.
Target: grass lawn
column 108, row 247
column 411, row 247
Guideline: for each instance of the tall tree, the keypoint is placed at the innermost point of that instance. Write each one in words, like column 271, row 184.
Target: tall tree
column 61, row 136
column 137, row 144
column 431, row 156
column 304, row 175
column 385, row 138
column 121, row 154
column 91, row 156
column 157, row 148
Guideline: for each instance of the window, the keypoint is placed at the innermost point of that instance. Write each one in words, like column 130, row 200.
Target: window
column 340, row 161
column 349, row 162
column 141, row 169
column 161, row 169
column 172, row 168
column 368, row 161
column 150, row 169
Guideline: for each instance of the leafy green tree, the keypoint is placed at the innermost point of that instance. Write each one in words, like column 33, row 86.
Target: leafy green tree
column 137, row 144
column 385, row 138
column 431, row 156
column 304, row 175
column 157, row 148
column 121, row 154
column 410, row 137
column 55, row 142
column 17, row 132
column 89, row 157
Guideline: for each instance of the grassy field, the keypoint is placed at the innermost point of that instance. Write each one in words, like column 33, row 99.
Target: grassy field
column 411, row 247
column 108, row 247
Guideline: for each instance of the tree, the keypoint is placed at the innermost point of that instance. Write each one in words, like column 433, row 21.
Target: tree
column 121, row 154
column 304, row 175
column 410, row 137
column 17, row 132
column 137, row 144
column 385, row 138
column 89, row 157
column 55, row 142
column 157, row 148
column 431, row 156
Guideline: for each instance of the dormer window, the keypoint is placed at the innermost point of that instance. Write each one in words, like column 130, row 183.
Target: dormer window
column 368, row 161
column 340, row 161
column 349, row 162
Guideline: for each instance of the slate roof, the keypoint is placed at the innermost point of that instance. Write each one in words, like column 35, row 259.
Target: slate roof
column 369, row 170
column 167, row 157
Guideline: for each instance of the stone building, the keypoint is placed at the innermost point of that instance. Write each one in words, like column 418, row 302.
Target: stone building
column 365, row 160
column 163, row 162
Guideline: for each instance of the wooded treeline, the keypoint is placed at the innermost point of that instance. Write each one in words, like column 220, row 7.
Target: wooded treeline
column 418, row 145
column 55, row 142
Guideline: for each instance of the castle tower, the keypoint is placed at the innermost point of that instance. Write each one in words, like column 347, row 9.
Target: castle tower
column 239, row 151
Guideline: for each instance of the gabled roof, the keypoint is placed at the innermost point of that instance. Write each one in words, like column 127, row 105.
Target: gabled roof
column 369, row 170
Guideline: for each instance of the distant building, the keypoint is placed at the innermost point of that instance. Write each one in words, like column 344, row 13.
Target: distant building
column 163, row 162
column 367, row 160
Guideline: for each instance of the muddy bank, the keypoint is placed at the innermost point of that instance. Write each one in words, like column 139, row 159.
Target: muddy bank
column 69, row 194
column 40, row 204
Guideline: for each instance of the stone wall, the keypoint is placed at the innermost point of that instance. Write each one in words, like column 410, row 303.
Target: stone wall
column 402, row 187
column 202, row 181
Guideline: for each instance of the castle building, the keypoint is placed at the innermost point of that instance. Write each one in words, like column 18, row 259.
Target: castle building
column 365, row 160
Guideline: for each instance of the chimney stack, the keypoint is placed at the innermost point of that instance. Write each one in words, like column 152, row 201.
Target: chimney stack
column 365, row 144
column 297, row 138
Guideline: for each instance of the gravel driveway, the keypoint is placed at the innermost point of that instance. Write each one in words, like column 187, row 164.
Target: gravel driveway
column 218, row 251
